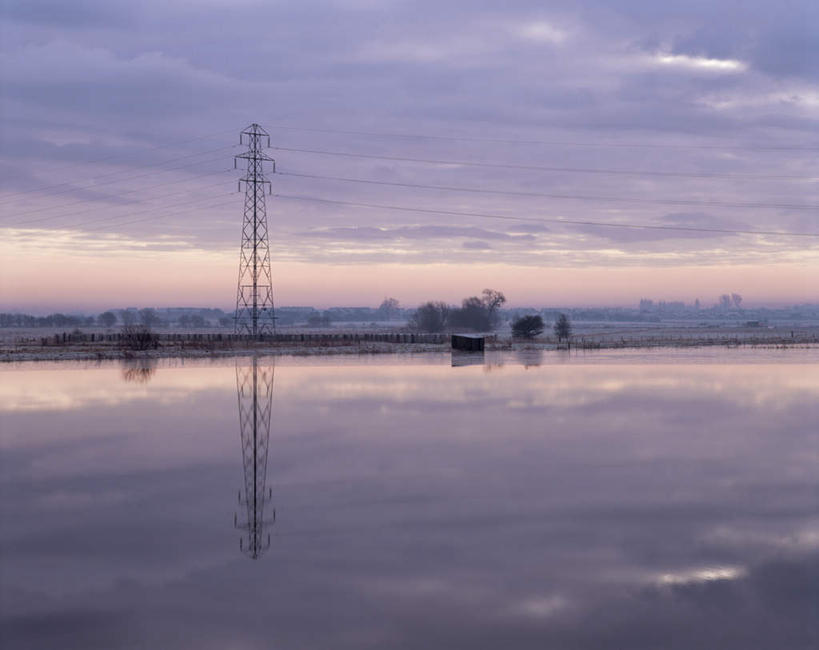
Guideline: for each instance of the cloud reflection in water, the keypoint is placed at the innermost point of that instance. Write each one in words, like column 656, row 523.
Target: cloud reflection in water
column 571, row 505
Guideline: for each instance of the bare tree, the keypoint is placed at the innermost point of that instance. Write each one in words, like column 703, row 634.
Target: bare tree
column 389, row 308
column 148, row 317
column 562, row 328
column 479, row 314
column 725, row 301
column 473, row 314
column 137, row 338
column 737, row 299
column 493, row 300
column 430, row 317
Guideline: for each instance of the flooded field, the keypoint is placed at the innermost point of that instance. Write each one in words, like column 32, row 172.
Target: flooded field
column 612, row 499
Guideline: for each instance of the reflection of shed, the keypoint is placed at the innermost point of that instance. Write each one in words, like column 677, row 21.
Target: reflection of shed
column 460, row 359
column 468, row 342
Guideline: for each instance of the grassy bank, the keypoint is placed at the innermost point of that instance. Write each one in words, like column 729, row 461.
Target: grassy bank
column 100, row 345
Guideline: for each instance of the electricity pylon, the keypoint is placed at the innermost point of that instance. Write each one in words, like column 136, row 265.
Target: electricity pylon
column 254, row 295
column 254, row 389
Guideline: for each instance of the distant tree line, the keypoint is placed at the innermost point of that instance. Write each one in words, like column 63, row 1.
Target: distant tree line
column 724, row 302
column 477, row 313
column 147, row 317
column 389, row 310
column 52, row 320
column 319, row 320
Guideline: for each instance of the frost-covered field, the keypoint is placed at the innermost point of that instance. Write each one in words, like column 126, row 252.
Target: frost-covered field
column 56, row 344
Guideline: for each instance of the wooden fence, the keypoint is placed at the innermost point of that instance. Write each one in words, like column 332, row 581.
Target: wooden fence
column 301, row 337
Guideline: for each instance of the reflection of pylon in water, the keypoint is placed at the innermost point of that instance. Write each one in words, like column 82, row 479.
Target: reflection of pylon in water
column 254, row 388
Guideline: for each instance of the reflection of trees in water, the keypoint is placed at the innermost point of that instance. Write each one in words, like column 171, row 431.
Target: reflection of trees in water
column 254, row 390
column 529, row 358
column 138, row 371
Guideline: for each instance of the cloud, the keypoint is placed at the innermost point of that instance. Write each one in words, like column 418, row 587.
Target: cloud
column 542, row 32
column 778, row 43
column 529, row 228
column 96, row 88
column 708, row 574
column 356, row 233
column 94, row 81
column 682, row 220
column 77, row 14
column 700, row 63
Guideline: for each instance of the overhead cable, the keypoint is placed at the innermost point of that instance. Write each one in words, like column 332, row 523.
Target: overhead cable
column 576, row 197
column 543, row 168
column 573, row 222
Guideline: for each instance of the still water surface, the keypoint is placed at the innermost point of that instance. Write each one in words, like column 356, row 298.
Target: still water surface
column 662, row 499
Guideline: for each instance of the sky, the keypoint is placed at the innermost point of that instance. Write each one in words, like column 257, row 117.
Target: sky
column 423, row 150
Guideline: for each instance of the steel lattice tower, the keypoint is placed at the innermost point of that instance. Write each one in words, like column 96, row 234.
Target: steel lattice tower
column 254, row 389
column 254, row 295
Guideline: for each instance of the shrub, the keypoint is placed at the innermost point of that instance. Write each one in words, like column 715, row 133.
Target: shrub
column 430, row 317
column 527, row 327
column 138, row 338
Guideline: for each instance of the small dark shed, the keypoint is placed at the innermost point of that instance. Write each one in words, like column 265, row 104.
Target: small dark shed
column 468, row 342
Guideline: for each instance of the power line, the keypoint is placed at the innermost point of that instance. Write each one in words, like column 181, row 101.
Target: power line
column 575, row 170
column 191, row 208
column 430, row 211
column 138, row 189
column 131, row 214
column 117, row 173
column 453, row 189
column 162, row 216
column 116, row 156
column 70, row 214
column 427, row 136
column 574, row 222
column 577, row 197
